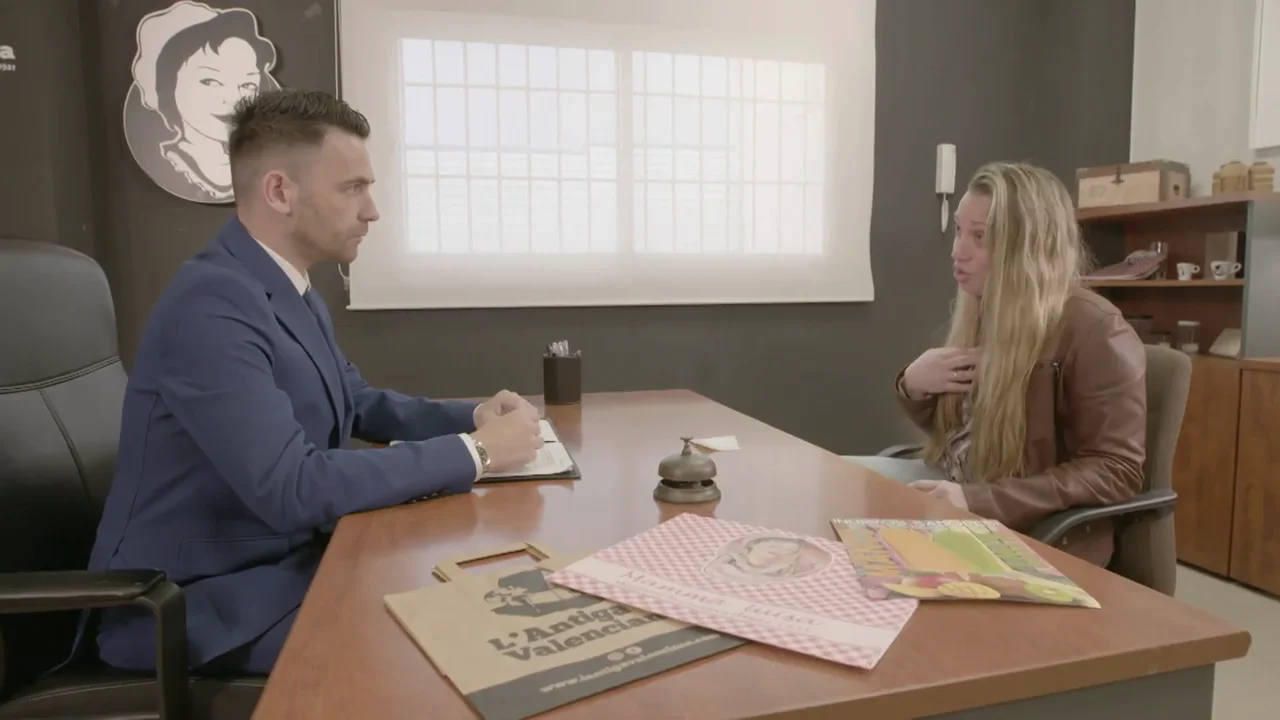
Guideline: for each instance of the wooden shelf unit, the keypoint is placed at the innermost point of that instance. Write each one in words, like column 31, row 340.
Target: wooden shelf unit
column 1207, row 205
column 1230, row 282
column 1184, row 225
column 1226, row 472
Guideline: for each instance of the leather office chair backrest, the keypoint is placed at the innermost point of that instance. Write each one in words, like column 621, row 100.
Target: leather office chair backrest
column 1145, row 547
column 61, row 390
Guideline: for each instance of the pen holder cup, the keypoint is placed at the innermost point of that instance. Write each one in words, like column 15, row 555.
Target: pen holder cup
column 562, row 379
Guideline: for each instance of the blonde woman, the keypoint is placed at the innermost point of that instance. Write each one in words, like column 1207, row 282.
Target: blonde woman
column 1038, row 401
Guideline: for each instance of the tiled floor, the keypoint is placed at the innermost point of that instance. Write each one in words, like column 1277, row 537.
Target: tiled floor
column 1245, row 688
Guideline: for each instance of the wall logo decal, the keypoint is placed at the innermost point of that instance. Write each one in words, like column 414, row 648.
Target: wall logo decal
column 193, row 64
column 7, row 59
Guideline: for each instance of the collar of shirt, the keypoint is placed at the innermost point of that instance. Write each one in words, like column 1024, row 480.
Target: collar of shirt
column 300, row 280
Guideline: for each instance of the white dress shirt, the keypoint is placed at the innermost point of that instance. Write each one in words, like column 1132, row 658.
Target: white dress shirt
column 302, row 282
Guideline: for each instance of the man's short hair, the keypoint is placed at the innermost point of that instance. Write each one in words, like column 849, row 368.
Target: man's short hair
column 276, row 120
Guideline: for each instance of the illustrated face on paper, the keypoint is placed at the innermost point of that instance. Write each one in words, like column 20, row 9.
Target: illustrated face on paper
column 767, row 559
column 769, row 552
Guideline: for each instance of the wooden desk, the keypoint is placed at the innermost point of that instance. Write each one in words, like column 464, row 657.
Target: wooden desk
column 1142, row 654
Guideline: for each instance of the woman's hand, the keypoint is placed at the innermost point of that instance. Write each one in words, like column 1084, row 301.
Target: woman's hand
column 944, row 490
column 940, row 370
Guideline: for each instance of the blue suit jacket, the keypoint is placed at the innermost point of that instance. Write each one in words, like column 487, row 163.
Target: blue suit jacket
column 232, row 464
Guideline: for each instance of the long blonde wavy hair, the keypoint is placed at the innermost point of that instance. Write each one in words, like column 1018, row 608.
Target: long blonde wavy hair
column 1036, row 258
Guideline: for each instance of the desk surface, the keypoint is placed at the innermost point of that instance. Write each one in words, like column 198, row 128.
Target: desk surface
column 347, row 658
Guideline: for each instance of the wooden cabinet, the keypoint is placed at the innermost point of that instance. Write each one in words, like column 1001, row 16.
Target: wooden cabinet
column 1204, row 465
column 1227, row 462
column 1255, row 530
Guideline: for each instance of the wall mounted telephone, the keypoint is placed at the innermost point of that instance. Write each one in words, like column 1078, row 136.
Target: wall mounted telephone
column 945, row 180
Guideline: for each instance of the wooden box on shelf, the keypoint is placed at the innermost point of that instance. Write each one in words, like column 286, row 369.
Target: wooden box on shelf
column 1235, row 176
column 1128, row 183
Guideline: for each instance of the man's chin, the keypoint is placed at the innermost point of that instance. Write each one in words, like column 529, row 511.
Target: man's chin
column 350, row 253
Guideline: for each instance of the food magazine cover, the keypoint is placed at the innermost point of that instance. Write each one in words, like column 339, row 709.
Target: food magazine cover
column 790, row 591
column 953, row 560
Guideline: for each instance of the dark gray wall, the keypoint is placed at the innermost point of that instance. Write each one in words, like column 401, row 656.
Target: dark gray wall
column 1084, row 58
column 1002, row 79
column 45, row 188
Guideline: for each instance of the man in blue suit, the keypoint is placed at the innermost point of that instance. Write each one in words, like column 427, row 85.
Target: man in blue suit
column 233, row 463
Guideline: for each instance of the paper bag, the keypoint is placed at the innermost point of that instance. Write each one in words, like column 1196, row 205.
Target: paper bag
column 516, row 646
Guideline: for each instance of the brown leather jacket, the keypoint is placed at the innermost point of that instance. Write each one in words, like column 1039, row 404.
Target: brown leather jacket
column 1086, row 428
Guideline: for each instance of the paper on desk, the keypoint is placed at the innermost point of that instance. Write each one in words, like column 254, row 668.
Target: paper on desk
column 720, row 443
column 552, row 459
column 548, row 432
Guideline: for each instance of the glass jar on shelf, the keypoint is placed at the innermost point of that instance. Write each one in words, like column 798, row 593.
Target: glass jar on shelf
column 1187, row 336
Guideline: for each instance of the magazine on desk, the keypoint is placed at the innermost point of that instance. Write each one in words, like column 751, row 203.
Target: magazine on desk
column 790, row 591
column 953, row 560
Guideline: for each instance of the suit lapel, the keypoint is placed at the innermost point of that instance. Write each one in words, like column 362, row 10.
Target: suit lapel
column 297, row 319
column 290, row 308
column 348, row 402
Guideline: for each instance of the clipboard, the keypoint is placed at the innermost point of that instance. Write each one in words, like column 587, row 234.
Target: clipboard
column 573, row 473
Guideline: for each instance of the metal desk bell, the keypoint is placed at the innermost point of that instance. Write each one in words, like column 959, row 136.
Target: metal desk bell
column 687, row 477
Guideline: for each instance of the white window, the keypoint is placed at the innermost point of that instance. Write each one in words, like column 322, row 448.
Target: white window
column 510, row 148
column 527, row 161
column 727, row 154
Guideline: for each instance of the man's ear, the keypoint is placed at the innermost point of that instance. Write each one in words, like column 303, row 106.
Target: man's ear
column 279, row 191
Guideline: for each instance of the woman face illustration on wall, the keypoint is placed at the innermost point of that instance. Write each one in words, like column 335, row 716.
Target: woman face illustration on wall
column 194, row 63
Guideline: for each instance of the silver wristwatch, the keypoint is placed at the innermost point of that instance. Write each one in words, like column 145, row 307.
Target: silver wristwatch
column 482, row 453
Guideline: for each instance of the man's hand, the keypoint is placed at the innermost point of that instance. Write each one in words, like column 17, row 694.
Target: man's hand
column 512, row 439
column 944, row 489
column 501, row 404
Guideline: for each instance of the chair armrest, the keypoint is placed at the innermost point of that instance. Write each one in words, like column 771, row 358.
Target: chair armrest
column 74, row 590
column 1050, row 530
column 85, row 590
column 909, row 450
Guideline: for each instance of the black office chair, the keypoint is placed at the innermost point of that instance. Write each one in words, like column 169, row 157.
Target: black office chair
column 61, row 390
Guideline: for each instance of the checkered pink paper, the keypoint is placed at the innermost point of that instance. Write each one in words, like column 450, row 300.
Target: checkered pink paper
column 813, row 605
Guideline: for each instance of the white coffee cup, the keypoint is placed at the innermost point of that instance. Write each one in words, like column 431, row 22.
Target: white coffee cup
column 1224, row 269
column 1187, row 271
